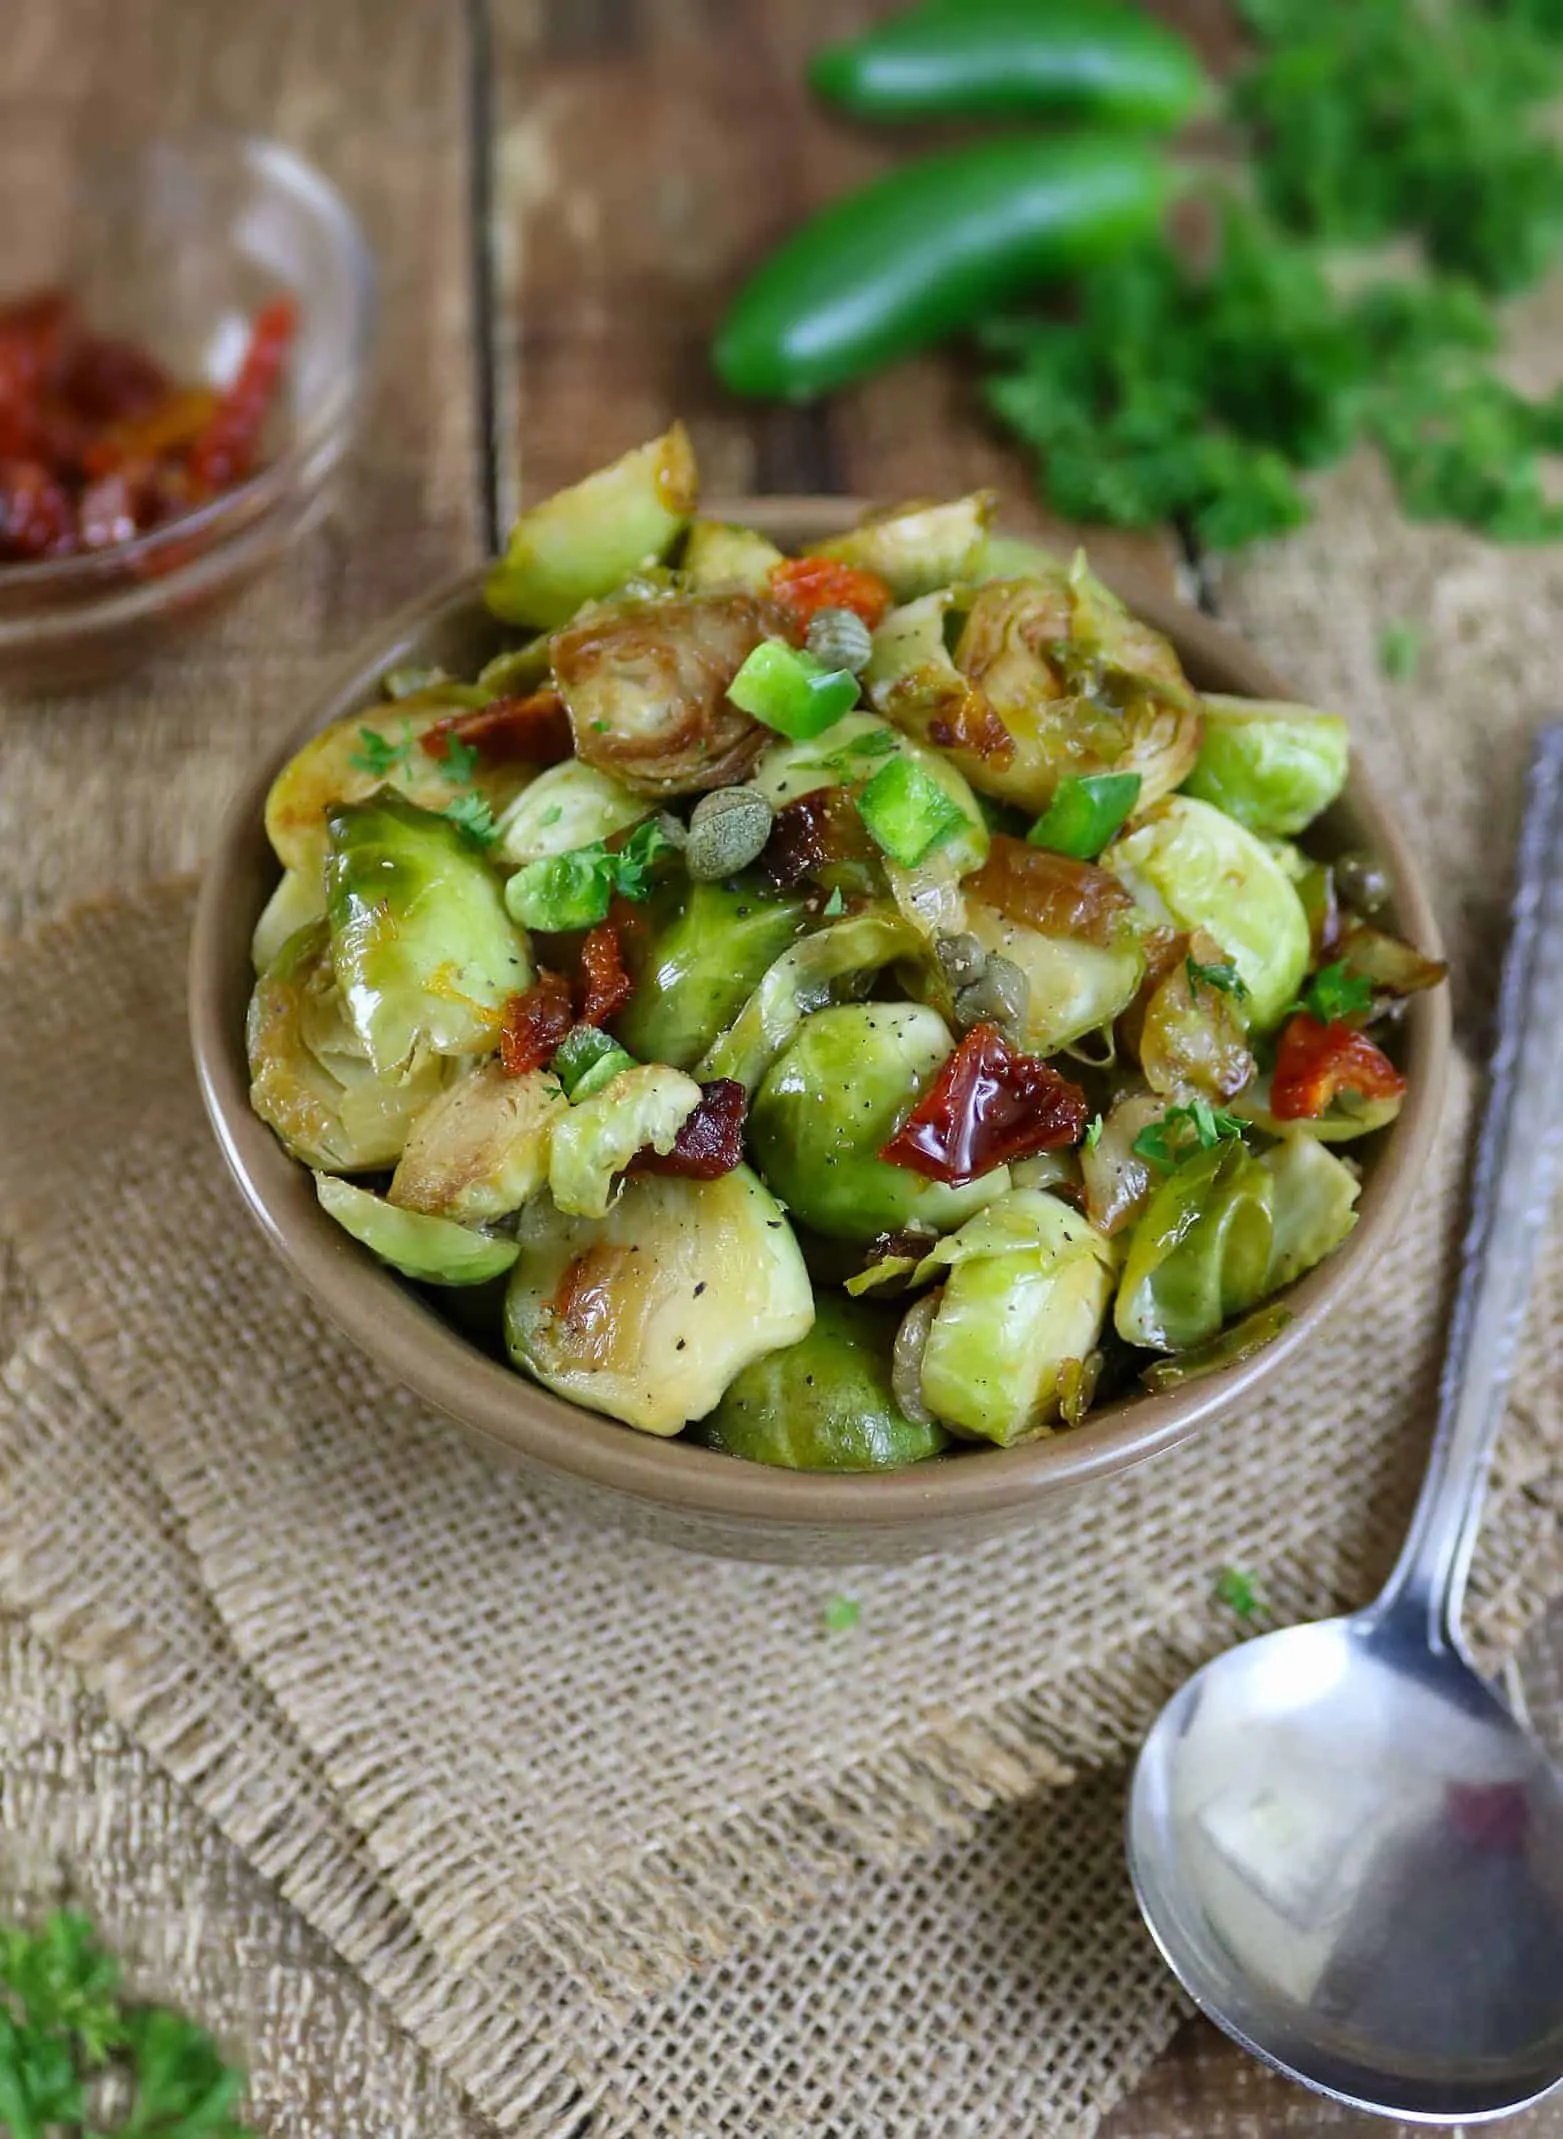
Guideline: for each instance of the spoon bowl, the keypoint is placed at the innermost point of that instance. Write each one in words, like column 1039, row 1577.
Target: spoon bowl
column 1353, row 1856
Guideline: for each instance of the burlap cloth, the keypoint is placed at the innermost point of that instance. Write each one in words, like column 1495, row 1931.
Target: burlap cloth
column 626, row 1840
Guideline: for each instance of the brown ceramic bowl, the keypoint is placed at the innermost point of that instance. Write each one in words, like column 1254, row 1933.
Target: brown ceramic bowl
column 689, row 1495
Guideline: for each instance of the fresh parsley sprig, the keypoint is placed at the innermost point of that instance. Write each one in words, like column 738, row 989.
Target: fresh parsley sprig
column 380, row 756
column 1184, row 1130
column 1223, row 977
column 1335, row 993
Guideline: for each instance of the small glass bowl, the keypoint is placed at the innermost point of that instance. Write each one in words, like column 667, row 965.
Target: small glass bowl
column 177, row 243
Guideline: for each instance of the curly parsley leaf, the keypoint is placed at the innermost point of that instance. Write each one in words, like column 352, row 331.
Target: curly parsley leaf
column 1335, row 992
column 636, row 859
column 377, row 755
column 1223, row 977
column 473, row 816
column 459, row 762
column 1182, row 1131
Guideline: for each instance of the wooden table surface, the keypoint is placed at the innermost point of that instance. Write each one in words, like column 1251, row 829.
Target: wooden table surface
column 560, row 194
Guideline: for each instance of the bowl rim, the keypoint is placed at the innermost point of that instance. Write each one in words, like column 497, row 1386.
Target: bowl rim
column 232, row 512
column 521, row 1420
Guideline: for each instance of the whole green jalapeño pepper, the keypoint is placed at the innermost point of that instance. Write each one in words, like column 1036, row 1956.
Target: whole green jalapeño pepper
column 930, row 248
column 1016, row 59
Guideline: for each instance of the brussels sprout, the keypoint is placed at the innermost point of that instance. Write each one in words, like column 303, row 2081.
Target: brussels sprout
column 645, row 1104
column 1118, row 1179
column 645, row 684
column 584, row 541
column 423, row 948
column 1348, row 1115
column 1188, row 1029
column 1240, row 1340
column 435, row 1251
column 481, row 1149
column 826, row 965
column 1314, row 1195
column 1074, row 986
column 1201, row 1251
column 833, row 1100
column 517, row 672
column 1272, row 767
column 352, row 760
column 1193, row 866
column 568, row 806
column 298, row 899
column 310, row 1080
column 1019, row 1316
column 915, row 548
column 703, row 967
column 825, row 1403
column 719, row 556
column 1007, row 557
column 649, row 1313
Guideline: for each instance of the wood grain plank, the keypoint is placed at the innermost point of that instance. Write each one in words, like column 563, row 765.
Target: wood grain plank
column 648, row 153
column 99, row 791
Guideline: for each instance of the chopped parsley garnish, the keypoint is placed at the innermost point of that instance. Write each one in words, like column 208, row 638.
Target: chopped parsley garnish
column 1238, row 1591
column 841, row 1614
column 834, row 905
column 551, row 815
column 1400, row 651
column 633, row 863
column 1335, row 992
column 1224, row 977
column 460, row 761
column 1093, row 1135
column 1184, row 1130
column 474, row 818
column 377, row 755
column 877, row 743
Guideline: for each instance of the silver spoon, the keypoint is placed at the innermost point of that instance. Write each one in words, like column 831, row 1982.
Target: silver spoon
column 1347, row 1848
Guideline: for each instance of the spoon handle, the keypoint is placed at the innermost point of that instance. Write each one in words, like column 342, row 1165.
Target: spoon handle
column 1511, row 1193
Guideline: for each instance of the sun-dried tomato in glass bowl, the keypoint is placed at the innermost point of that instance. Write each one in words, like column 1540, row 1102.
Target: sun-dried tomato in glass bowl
column 171, row 411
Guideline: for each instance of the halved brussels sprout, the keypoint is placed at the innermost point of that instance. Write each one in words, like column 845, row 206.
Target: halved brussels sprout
column 833, row 1100
column 1008, row 1344
column 848, row 754
column 1075, row 986
column 481, row 1149
column 1348, row 1115
column 834, row 962
column 598, row 1136
column 1188, row 1029
column 568, row 806
column 1314, row 1197
column 648, row 1314
column 719, row 557
column 1273, row 767
column 1008, row 557
column 435, row 1251
column 645, row 684
column 825, row 1403
column 1200, row 1253
column 1118, row 1181
column 703, row 967
column 357, row 757
column 310, row 1080
column 423, row 948
column 584, row 541
column 1191, row 865
column 916, row 547
column 298, row 900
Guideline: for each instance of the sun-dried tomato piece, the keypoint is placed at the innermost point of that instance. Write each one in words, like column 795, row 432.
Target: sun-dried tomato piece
column 34, row 334
column 802, row 586
column 820, row 831
column 1051, row 892
column 37, row 517
column 1314, row 1063
column 971, row 724
column 535, row 1023
column 170, row 427
column 109, row 380
column 224, row 453
column 710, row 1143
column 605, row 986
column 533, row 730
column 989, row 1104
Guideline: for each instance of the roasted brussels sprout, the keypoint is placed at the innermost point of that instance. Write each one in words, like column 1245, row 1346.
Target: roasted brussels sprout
column 917, row 547
column 1009, row 1345
column 423, row 949
column 830, row 1104
column 435, row 1251
column 1073, row 986
column 481, row 1149
column 299, row 898
column 1348, row 1115
column 1272, row 767
column 310, row 1079
column 1187, row 1028
column 838, row 961
column 703, row 967
column 719, row 558
column 1190, row 865
column 352, row 760
column 1315, row 1194
column 1201, row 1251
column 584, row 542
column 641, row 1107
column 645, row 684
column 650, row 1312
column 824, row 1403
column 568, row 806
column 1118, row 1179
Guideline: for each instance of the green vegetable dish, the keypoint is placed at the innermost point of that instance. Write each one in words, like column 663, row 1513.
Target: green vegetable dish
column 842, row 1007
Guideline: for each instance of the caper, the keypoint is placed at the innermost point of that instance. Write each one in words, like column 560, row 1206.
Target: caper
column 962, row 958
column 841, row 639
column 1001, row 995
column 727, row 829
column 1362, row 882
